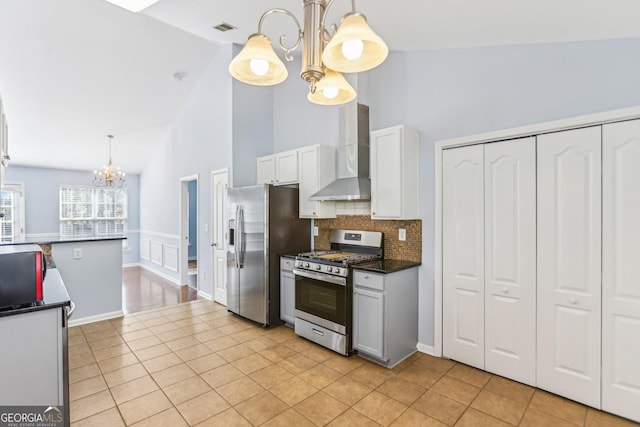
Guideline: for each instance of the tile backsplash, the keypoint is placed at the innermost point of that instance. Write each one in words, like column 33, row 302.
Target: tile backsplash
column 409, row 250
column 353, row 208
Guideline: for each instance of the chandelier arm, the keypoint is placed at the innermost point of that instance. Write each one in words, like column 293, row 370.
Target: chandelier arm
column 326, row 35
column 287, row 50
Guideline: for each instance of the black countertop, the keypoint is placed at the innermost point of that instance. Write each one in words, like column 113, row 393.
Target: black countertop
column 45, row 241
column 385, row 266
column 54, row 295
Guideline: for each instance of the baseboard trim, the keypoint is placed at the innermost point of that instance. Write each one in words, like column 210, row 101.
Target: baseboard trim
column 427, row 349
column 205, row 295
column 132, row 265
column 96, row 318
column 168, row 278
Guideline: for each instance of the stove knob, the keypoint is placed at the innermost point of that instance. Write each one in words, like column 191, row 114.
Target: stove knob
column 306, row 264
column 318, row 267
column 299, row 263
column 337, row 270
column 329, row 269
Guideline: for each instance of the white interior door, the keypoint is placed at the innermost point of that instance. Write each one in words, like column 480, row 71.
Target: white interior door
column 463, row 254
column 219, row 187
column 620, row 256
column 569, row 263
column 510, row 259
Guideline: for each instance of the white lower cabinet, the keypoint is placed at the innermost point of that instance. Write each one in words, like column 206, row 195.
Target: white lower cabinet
column 540, row 243
column 385, row 315
column 287, row 290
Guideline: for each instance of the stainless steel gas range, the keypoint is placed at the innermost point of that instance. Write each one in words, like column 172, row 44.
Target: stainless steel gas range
column 324, row 288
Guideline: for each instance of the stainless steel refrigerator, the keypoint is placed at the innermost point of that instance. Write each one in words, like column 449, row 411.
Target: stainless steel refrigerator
column 263, row 224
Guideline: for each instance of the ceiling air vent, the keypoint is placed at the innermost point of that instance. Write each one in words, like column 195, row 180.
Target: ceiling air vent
column 224, row 27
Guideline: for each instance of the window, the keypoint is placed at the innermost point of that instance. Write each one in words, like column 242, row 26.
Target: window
column 12, row 209
column 93, row 212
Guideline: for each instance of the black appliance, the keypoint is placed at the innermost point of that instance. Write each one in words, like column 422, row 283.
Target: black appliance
column 22, row 272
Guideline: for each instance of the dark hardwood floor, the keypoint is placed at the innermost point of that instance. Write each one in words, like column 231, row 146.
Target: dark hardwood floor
column 143, row 290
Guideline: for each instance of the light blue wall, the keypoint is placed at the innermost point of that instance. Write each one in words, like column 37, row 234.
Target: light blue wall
column 41, row 192
column 455, row 92
column 193, row 219
column 199, row 142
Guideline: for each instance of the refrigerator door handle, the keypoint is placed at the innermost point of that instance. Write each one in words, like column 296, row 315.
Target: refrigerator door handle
column 241, row 243
column 236, row 240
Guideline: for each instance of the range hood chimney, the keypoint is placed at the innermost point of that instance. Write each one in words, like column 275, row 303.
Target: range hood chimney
column 353, row 181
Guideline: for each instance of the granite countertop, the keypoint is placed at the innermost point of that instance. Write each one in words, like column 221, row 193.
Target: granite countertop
column 45, row 241
column 385, row 266
column 54, row 295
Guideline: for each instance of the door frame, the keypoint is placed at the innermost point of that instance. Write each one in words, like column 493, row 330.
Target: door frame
column 214, row 173
column 501, row 135
column 183, row 265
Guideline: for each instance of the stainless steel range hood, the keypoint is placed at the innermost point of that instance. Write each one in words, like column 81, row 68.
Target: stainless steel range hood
column 353, row 181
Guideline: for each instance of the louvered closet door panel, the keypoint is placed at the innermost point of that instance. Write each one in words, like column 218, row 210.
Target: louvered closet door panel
column 569, row 263
column 463, row 254
column 510, row 259
column 621, row 269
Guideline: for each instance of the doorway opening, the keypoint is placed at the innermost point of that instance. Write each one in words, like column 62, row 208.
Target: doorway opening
column 189, row 231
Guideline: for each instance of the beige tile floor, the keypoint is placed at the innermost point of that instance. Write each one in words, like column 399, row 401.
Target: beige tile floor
column 196, row 364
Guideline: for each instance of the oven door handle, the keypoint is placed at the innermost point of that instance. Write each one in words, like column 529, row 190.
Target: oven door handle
column 342, row 281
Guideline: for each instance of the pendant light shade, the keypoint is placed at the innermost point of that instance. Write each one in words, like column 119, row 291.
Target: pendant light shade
column 333, row 89
column 257, row 63
column 354, row 47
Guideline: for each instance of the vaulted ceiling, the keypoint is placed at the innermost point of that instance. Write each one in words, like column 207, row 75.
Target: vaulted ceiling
column 73, row 71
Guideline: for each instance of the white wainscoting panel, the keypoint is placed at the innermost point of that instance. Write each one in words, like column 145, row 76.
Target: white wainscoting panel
column 156, row 252
column 170, row 257
column 145, row 250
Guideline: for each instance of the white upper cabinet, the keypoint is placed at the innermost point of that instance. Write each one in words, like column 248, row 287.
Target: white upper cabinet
column 569, row 263
column 278, row 169
column 394, row 173
column 317, row 170
column 620, row 256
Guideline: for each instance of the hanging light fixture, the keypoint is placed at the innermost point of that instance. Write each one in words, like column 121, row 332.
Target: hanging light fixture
column 352, row 48
column 107, row 177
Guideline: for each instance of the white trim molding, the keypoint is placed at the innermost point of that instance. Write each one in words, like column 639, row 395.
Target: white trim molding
column 156, row 234
column 96, row 318
column 426, row 349
column 155, row 252
column 205, row 295
column 173, row 280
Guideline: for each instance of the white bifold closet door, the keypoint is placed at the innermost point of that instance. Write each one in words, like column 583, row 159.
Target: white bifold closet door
column 569, row 263
column 489, row 256
column 510, row 259
column 621, row 269
column 463, row 255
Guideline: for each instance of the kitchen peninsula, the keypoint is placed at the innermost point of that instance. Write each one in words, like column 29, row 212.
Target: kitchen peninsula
column 91, row 268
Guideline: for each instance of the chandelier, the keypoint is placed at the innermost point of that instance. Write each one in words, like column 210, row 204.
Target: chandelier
column 352, row 47
column 107, row 177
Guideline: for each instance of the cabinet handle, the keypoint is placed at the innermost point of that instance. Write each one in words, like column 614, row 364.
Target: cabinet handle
column 573, row 301
column 366, row 276
column 317, row 332
column 505, row 290
column 313, row 213
column 373, row 213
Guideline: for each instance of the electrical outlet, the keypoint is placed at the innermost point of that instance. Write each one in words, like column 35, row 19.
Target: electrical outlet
column 77, row 253
column 402, row 234
column 315, row 231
